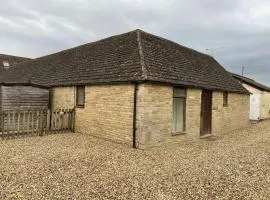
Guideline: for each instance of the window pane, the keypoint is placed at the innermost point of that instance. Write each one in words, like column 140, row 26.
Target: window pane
column 225, row 98
column 80, row 96
column 179, row 92
column 178, row 114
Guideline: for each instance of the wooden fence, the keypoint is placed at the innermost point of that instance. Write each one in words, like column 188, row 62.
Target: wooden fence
column 36, row 122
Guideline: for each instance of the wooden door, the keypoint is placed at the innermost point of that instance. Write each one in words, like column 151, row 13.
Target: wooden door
column 206, row 112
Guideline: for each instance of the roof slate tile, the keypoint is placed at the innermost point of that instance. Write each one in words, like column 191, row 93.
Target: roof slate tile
column 132, row 56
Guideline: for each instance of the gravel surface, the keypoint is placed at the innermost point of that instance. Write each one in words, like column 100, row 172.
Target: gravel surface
column 78, row 166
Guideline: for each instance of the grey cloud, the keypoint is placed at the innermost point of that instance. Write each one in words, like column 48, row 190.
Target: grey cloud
column 35, row 28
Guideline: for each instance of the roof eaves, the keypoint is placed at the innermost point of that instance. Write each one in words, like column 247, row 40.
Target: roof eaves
column 24, row 84
column 251, row 82
column 140, row 48
column 257, row 85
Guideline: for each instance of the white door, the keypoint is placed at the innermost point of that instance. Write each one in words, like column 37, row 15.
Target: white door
column 255, row 104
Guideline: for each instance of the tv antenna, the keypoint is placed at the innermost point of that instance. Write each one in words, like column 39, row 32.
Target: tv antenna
column 212, row 50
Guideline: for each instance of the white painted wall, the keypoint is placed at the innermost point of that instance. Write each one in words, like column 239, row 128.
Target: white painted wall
column 255, row 106
column 264, row 102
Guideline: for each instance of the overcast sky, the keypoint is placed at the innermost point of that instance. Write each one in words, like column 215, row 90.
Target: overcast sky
column 237, row 32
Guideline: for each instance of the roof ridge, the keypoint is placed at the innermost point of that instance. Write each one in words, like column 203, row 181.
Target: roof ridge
column 175, row 43
column 241, row 76
column 252, row 82
column 9, row 55
column 140, row 48
column 86, row 44
column 128, row 57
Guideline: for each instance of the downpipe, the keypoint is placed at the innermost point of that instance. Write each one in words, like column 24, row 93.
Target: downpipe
column 134, row 140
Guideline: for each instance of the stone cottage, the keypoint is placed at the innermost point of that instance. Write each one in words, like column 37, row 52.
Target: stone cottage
column 259, row 98
column 140, row 89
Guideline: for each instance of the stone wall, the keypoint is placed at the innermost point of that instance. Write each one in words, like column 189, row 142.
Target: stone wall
column 193, row 111
column 108, row 112
column 154, row 117
column 154, row 113
column 63, row 97
column 265, row 105
column 233, row 116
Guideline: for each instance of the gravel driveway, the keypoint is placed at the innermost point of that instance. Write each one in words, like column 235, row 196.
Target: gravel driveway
column 78, row 166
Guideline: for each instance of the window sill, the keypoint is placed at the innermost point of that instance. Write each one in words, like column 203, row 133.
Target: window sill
column 79, row 106
column 178, row 133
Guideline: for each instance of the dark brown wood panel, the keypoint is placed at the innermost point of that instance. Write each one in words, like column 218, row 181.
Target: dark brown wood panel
column 17, row 123
column 206, row 112
column 24, row 98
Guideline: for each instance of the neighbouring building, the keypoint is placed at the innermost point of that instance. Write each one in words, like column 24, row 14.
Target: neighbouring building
column 18, row 100
column 18, row 95
column 23, row 97
column 259, row 98
column 7, row 61
column 140, row 89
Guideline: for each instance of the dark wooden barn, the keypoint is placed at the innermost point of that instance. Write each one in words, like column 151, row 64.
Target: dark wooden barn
column 25, row 109
column 23, row 97
column 21, row 104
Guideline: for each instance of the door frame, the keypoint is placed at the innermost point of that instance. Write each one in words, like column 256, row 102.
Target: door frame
column 203, row 121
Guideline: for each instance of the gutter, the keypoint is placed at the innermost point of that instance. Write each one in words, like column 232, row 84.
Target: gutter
column 24, row 84
column 134, row 138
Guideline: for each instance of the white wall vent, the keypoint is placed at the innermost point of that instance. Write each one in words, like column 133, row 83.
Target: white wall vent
column 6, row 64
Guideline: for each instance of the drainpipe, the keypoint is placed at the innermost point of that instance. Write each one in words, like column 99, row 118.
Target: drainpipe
column 74, row 107
column 134, row 115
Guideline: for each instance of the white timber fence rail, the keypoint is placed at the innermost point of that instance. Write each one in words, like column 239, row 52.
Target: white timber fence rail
column 36, row 122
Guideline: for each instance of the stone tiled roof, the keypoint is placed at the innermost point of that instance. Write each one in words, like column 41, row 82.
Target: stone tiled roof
column 132, row 56
column 251, row 82
column 10, row 61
